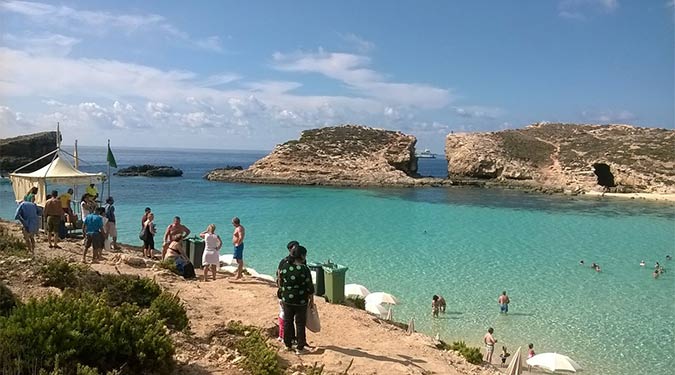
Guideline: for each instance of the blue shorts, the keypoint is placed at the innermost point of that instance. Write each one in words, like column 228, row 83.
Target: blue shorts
column 504, row 307
column 239, row 252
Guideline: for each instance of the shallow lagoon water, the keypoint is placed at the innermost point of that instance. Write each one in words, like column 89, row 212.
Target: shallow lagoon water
column 467, row 244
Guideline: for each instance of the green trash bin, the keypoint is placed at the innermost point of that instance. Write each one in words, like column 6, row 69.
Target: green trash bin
column 194, row 249
column 334, row 275
column 317, row 278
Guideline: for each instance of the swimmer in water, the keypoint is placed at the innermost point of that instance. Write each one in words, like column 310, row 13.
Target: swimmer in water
column 581, row 262
column 642, row 263
column 668, row 257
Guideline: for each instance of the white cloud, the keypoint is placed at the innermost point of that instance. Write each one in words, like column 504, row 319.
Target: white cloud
column 220, row 79
column 581, row 9
column 44, row 44
column 96, row 22
column 360, row 44
column 475, row 111
column 608, row 117
column 351, row 70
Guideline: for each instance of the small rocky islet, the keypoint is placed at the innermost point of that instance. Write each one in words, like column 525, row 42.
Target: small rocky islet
column 148, row 170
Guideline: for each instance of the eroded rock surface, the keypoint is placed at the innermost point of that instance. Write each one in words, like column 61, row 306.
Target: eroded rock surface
column 566, row 156
column 18, row 151
column 347, row 155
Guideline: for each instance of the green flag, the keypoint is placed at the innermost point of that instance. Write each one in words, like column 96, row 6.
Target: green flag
column 111, row 158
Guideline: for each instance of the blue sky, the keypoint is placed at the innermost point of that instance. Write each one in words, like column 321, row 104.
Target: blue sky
column 252, row 74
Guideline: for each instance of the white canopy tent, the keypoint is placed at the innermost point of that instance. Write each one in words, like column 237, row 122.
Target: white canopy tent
column 59, row 172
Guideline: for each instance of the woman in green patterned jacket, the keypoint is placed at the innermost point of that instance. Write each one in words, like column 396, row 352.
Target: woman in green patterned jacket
column 297, row 291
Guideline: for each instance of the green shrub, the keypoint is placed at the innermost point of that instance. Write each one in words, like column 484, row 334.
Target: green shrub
column 260, row 359
column 63, row 332
column 169, row 308
column 7, row 300
column 472, row 354
column 119, row 289
column 60, row 273
column 168, row 264
column 11, row 245
column 356, row 302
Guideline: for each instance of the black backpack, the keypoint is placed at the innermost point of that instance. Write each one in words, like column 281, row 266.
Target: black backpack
column 189, row 271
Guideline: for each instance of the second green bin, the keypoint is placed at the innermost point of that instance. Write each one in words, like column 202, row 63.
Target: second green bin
column 334, row 275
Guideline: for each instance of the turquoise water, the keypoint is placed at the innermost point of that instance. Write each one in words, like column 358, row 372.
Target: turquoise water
column 465, row 244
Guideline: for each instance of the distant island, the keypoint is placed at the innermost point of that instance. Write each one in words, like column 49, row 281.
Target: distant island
column 150, row 171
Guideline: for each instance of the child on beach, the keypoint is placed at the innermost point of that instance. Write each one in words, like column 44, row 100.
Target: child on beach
column 211, row 256
column 504, row 355
column 281, row 321
column 530, row 354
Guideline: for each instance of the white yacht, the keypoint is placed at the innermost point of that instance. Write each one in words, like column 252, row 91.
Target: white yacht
column 426, row 154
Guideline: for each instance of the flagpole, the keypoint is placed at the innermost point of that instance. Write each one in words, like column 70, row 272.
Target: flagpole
column 109, row 194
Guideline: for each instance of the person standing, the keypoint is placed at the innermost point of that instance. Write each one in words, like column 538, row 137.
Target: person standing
column 92, row 191
column 490, row 342
column 503, row 301
column 149, row 231
column 30, row 196
column 65, row 199
column 144, row 218
column 437, row 305
column 111, row 226
column 94, row 234
column 212, row 246
column 28, row 214
column 238, row 242
column 297, row 292
column 54, row 214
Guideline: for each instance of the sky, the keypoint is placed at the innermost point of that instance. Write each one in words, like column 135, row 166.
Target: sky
column 253, row 74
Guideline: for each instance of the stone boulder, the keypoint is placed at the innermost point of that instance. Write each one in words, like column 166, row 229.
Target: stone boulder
column 18, row 151
column 150, row 171
column 348, row 155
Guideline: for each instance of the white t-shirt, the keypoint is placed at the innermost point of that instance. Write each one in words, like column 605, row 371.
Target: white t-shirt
column 83, row 210
column 211, row 241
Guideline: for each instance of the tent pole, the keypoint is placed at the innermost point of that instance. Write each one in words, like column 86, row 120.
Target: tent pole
column 109, row 194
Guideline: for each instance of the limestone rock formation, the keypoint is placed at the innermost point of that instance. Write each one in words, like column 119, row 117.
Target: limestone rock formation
column 150, row 171
column 18, row 151
column 571, row 157
column 347, row 155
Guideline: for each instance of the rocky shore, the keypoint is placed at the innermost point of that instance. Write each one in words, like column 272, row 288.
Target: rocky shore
column 18, row 151
column 568, row 158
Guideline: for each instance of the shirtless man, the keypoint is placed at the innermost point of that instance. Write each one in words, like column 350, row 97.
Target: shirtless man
column 503, row 301
column 437, row 305
column 490, row 342
column 175, row 232
column 238, row 243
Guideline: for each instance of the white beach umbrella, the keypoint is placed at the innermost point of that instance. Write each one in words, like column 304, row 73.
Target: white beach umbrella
column 554, row 362
column 356, row 290
column 380, row 298
column 376, row 309
column 252, row 272
column 515, row 367
column 227, row 259
column 390, row 315
column 229, row 269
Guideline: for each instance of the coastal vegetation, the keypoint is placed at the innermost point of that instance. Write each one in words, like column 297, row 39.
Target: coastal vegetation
column 471, row 354
column 260, row 359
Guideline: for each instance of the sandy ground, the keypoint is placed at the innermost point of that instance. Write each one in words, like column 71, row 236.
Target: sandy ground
column 347, row 334
column 645, row 196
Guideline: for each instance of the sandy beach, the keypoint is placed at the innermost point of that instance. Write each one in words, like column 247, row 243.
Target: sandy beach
column 347, row 334
column 646, row 196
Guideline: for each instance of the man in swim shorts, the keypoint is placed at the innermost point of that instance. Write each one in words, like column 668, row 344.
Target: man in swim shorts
column 490, row 342
column 238, row 243
column 503, row 301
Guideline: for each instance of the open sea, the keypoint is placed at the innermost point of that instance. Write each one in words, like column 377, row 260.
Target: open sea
column 466, row 244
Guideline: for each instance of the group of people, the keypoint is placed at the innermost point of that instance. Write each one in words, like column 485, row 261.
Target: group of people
column 98, row 223
column 490, row 342
column 658, row 269
column 594, row 266
column 172, row 246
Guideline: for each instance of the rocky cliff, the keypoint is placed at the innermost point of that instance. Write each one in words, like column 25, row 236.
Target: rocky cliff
column 343, row 155
column 18, row 151
column 569, row 157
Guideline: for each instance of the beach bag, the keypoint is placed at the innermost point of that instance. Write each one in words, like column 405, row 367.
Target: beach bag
column 313, row 322
column 189, row 271
column 106, row 244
